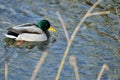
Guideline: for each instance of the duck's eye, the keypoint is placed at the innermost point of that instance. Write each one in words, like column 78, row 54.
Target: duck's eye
column 47, row 25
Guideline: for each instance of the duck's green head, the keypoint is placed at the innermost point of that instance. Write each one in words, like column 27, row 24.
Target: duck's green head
column 45, row 25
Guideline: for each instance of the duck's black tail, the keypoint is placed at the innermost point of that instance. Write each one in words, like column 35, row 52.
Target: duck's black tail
column 12, row 33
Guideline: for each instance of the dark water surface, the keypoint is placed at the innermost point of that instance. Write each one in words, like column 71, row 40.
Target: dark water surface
column 96, row 43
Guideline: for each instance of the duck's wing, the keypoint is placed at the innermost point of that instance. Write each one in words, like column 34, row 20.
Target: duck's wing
column 26, row 28
column 27, row 24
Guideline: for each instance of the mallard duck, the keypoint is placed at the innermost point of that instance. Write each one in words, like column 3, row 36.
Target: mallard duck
column 31, row 32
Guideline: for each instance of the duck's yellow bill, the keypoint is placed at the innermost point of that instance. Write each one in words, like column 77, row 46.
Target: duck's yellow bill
column 52, row 29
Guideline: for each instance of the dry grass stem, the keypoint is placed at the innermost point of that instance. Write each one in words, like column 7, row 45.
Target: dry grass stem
column 104, row 67
column 64, row 26
column 71, row 39
column 73, row 63
column 63, row 61
column 91, row 9
column 6, row 70
column 99, row 13
column 38, row 66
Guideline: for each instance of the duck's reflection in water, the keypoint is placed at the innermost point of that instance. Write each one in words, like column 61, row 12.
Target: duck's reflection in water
column 29, row 45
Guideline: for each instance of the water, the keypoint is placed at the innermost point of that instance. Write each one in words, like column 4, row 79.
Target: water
column 96, row 43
